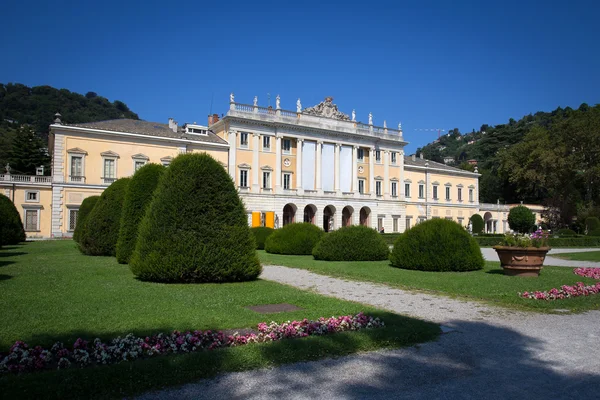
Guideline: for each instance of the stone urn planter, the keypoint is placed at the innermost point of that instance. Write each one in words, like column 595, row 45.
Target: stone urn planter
column 521, row 261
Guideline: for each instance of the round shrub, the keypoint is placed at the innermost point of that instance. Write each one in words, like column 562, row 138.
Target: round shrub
column 85, row 209
column 566, row 232
column 101, row 228
column 521, row 219
column 352, row 243
column 261, row 233
column 477, row 223
column 12, row 226
column 138, row 197
column 195, row 229
column 296, row 239
column 437, row 245
column 592, row 224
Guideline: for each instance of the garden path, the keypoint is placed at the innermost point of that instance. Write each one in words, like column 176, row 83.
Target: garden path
column 490, row 255
column 485, row 352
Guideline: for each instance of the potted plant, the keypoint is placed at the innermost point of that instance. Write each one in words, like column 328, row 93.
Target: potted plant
column 523, row 255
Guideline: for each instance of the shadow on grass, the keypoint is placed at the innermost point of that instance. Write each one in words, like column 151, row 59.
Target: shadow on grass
column 495, row 272
column 4, row 277
column 5, row 263
column 11, row 253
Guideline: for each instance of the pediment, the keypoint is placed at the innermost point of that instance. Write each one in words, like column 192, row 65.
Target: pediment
column 77, row 150
column 378, row 178
column 244, row 165
column 109, row 154
column 326, row 109
column 140, row 156
column 166, row 159
column 266, row 168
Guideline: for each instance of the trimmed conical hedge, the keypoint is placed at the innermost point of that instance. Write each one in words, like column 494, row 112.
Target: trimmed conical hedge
column 12, row 226
column 138, row 197
column 352, row 243
column 437, row 245
column 101, row 229
column 195, row 229
column 85, row 209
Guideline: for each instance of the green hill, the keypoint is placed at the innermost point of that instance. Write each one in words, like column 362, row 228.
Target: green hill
column 26, row 112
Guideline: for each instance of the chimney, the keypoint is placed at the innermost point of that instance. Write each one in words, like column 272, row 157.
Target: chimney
column 421, row 155
column 210, row 120
column 173, row 125
column 215, row 118
column 414, row 157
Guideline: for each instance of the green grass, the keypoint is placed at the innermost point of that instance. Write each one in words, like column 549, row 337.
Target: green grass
column 50, row 292
column 583, row 256
column 489, row 285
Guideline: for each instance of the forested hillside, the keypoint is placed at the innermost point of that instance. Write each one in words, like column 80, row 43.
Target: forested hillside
column 26, row 112
column 546, row 158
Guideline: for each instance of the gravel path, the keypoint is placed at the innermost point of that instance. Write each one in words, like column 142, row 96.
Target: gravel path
column 490, row 255
column 487, row 352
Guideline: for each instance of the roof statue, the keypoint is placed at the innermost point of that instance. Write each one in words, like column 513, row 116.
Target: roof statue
column 370, row 118
column 384, row 124
column 231, row 98
column 399, row 126
column 277, row 102
column 353, row 115
column 298, row 106
column 255, row 103
column 327, row 109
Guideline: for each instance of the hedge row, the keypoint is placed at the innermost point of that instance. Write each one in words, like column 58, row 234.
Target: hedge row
column 261, row 233
column 390, row 238
column 553, row 242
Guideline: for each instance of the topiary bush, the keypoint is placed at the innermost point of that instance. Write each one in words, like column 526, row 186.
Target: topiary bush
column 295, row 239
column 352, row 243
column 138, row 197
column 12, row 226
column 437, row 245
column 101, row 228
column 195, row 229
column 592, row 224
column 477, row 224
column 594, row 233
column 566, row 232
column 85, row 209
column 261, row 233
column 521, row 219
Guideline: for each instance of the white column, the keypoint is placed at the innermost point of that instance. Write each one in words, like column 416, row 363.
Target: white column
column 354, row 169
column 428, row 194
column 232, row 150
column 400, row 159
column 255, row 168
column 299, row 166
column 336, row 174
column 371, row 171
column 318, row 167
column 278, row 165
column 386, row 176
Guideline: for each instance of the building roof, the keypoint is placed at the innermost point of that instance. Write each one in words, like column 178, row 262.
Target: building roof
column 420, row 162
column 148, row 128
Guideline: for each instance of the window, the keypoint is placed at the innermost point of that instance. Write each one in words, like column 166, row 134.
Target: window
column 422, row 219
column 393, row 158
column 266, row 142
column 361, row 186
column 378, row 156
column 77, row 169
column 395, row 224
column 287, row 146
column 471, row 195
column 244, row 139
column 360, row 154
column 109, row 170
column 378, row 188
column 407, row 221
column 459, row 194
column 461, row 221
column 449, row 218
column 394, row 189
column 73, row 214
column 421, row 191
column 32, row 197
column 407, row 189
column 435, row 192
column 380, row 224
column 31, row 220
column 287, row 181
column 244, row 178
column 138, row 164
column 266, row 180
column 447, row 192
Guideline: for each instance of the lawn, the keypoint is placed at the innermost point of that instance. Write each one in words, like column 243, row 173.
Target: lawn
column 50, row 292
column 489, row 284
column 583, row 256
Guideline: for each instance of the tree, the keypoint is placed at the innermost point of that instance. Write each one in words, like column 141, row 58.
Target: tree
column 27, row 152
column 477, row 224
column 521, row 219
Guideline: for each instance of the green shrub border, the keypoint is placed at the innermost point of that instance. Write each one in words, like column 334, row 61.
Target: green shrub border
column 553, row 242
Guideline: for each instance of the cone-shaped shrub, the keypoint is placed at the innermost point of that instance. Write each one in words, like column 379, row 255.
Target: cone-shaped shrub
column 477, row 224
column 12, row 226
column 296, row 239
column 85, row 209
column 437, row 245
column 592, row 224
column 352, row 243
column 195, row 229
column 138, row 197
column 261, row 233
column 101, row 229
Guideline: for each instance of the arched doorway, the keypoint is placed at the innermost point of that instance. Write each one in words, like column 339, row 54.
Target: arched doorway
column 328, row 218
column 289, row 214
column 487, row 218
column 347, row 216
column 365, row 214
column 309, row 213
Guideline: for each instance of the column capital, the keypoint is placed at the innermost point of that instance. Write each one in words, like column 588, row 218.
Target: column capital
column 255, row 134
column 338, row 145
column 355, row 147
column 319, row 142
column 299, row 140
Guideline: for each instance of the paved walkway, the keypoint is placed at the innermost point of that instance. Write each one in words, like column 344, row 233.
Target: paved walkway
column 490, row 353
column 491, row 255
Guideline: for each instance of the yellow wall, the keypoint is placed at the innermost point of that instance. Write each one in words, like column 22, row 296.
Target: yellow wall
column 45, row 201
column 72, row 198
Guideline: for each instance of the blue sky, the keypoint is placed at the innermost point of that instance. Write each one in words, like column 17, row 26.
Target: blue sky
column 430, row 64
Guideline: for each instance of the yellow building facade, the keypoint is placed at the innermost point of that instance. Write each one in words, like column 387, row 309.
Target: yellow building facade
column 313, row 164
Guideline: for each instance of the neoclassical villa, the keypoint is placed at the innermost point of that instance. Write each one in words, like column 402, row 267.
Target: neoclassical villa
column 313, row 164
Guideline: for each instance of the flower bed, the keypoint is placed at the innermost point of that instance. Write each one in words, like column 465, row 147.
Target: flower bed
column 593, row 273
column 22, row 358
